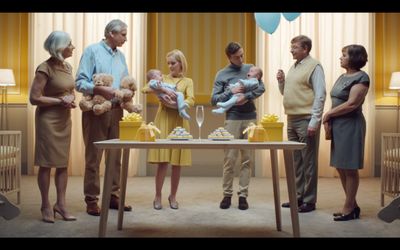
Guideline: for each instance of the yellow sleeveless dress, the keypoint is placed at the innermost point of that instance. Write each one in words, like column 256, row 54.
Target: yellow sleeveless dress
column 167, row 119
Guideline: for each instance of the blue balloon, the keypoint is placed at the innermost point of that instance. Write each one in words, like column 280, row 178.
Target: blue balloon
column 290, row 16
column 268, row 21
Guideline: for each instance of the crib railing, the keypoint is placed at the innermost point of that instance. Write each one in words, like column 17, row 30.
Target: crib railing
column 10, row 163
column 390, row 165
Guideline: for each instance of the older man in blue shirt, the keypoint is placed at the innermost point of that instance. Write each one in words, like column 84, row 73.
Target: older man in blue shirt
column 102, row 57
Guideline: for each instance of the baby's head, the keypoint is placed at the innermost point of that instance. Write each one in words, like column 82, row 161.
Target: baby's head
column 255, row 72
column 154, row 74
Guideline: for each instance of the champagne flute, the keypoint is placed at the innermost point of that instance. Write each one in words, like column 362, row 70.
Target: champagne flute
column 200, row 117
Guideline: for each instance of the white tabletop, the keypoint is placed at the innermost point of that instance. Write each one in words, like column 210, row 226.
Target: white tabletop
column 200, row 144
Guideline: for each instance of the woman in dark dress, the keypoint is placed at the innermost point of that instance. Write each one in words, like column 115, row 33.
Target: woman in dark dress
column 347, row 124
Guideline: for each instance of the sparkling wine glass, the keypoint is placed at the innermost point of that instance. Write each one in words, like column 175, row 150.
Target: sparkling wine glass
column 200, row 117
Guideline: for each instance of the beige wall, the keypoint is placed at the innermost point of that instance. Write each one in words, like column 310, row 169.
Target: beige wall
column 197, row 46
column 14, row 53
column 387, row 51
column 202, row 37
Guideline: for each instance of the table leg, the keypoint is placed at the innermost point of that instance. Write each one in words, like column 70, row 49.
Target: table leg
column 105, row 200
column 123, row 180
column 275, row 185
column 291, row 186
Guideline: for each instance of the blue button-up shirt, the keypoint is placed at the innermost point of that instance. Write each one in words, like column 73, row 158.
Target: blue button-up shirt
column 100, row 58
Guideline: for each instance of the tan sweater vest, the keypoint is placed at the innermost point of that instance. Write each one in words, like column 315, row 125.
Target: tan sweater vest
column 298, row 94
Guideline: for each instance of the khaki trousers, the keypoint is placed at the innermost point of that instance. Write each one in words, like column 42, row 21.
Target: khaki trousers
column 236, row 127
column 99, row 128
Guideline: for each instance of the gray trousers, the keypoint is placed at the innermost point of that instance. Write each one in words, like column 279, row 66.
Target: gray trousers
column 305, row 160
column 236, row 127
column 98, row 128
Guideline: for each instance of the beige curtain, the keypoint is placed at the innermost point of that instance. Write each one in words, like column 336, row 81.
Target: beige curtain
column 329, row 33
column 85, row 29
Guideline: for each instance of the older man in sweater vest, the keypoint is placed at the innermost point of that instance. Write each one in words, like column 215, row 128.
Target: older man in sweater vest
column 303, row 99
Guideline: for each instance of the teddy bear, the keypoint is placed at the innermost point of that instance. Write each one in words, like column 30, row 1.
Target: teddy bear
column 126, row 92
column 97, row 103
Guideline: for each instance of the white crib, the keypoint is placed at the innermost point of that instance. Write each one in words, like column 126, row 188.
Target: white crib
column 10, row 163
column 390, row 165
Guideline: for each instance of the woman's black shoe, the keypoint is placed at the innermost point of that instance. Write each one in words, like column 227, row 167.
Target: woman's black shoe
column 355, row 214
column 357, row 211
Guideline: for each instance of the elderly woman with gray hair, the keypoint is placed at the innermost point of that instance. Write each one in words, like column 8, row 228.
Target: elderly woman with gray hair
column 52, row 91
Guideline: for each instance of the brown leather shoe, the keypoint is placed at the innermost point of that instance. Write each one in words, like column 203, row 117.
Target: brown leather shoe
column 114, row 203
column 93, row 209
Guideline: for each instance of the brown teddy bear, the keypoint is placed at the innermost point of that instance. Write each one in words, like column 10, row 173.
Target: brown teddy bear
column 126, row 92
column 97, row 103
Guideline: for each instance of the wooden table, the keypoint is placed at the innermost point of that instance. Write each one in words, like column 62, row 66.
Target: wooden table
column 286, row 146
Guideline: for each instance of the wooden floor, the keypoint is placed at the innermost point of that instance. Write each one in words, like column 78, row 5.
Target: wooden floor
column 199, row 214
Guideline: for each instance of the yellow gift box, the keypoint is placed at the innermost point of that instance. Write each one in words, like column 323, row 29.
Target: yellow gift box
column 147, row 132
column 128, row 129
column 256, row 133
column 274, row 130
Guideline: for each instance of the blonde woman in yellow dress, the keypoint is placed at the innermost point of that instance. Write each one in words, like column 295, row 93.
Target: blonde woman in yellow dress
column 167, row 118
